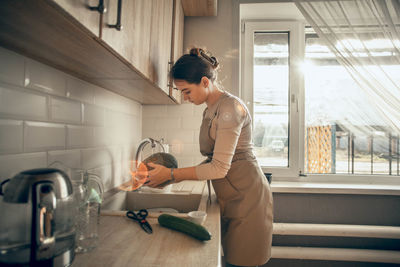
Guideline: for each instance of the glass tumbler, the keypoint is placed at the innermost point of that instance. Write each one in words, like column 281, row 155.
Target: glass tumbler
column 88, row 196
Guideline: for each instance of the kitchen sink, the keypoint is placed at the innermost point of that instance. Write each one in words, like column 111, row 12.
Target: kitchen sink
column 136, row 200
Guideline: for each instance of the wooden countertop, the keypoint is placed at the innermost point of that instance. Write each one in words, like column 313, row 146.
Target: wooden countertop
column 122, row 242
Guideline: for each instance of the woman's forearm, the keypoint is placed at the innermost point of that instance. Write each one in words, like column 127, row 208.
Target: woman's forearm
column 188, row 173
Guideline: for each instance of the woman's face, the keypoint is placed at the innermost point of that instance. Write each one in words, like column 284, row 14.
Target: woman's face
column 194, row 93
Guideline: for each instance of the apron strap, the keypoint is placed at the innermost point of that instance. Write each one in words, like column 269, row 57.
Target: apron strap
column 209, row 191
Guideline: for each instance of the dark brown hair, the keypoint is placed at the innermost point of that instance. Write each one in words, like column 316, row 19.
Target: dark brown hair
column 194, row 66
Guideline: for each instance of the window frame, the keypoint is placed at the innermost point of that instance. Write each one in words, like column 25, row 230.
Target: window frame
column 296, row 86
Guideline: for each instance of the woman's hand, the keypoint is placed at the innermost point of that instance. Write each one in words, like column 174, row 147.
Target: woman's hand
column 158, row 176
column 139, row 177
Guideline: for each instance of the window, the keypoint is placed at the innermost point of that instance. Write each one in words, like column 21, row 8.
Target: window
column 300, row 128
column 342, row 126
column 271, row 62
column 271, row 97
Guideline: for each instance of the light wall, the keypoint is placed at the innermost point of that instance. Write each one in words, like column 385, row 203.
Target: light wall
column 215, row 34
column 47, row 115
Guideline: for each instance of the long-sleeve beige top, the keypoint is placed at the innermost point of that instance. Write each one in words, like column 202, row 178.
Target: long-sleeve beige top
column 231, row 129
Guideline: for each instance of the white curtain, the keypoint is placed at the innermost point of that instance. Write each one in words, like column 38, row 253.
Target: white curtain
column 364, row 35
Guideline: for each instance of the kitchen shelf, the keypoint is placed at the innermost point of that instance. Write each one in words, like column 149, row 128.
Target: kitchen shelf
column 45, row 32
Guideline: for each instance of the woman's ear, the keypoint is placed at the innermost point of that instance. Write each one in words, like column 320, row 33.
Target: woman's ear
column 205, row 81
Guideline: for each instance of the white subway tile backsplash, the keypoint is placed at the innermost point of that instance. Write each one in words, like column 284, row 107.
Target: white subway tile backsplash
column 180, row 137
column 135, row 128
column 184, row 162
column 42, row 136
column 117, row 119
column 155, row 134
column 64, row 119
column 104, row 98
column 116, row 154
column 101, row 136
column 176, row 149
column 93, row 115
column 167, row 123
column 196, row 137
column 122, row 128
column 125, row 105
column 120, row 136
column 106, row 175
column 190, row 150
column 153, row 111
column 15, row 163
column 11, row 136
column 114, row 136
column 128, row 154
column 79, row 136
column 191, row 123
column 67, row 160
column 44, row 78
column 184, row 110
column 17, row 103
column 12, row 67
column 96, row 157
column 64, row 110
column 170, row 123
column 80, row 90
column 136, row 109
column 70, row 158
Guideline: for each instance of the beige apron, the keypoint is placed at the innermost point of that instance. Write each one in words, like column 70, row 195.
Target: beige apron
column 245, row 201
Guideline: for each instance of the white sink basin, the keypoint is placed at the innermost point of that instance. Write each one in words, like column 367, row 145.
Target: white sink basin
column 140, row 200
column 182, row 197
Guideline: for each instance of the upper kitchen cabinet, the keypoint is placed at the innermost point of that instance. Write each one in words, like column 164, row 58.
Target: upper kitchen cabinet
column 126, row 28
column 177, row 43
column 199, row 7
column 86, row 12
column 160, row 42
column 148, row 34
column 57, row 33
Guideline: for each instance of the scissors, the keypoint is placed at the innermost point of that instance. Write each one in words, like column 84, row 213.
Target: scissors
column 141, row 218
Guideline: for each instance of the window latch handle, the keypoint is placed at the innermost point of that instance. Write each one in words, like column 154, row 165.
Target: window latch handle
column 295, row 100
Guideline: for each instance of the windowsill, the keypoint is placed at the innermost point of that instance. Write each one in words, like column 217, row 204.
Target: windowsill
column 334, row 188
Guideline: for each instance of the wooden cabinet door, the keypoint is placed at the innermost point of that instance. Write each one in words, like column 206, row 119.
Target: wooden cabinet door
column 132, row 42
column 79, row 9
column 177, row 44
column 160, row 42
column 200, row 7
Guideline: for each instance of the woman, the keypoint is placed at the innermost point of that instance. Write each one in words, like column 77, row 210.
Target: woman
column 243, row 192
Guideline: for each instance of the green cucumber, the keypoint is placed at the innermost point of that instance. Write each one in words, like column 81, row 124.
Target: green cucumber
column 179, row 224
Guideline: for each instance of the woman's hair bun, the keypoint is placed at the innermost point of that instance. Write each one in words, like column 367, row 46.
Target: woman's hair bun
column 205, row 55
column 195, row 52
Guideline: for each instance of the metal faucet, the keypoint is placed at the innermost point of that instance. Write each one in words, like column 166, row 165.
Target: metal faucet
column 142, row 144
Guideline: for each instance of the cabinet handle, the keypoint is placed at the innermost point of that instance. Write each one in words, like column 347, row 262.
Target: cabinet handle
column 99, row 8
column 118, row 25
